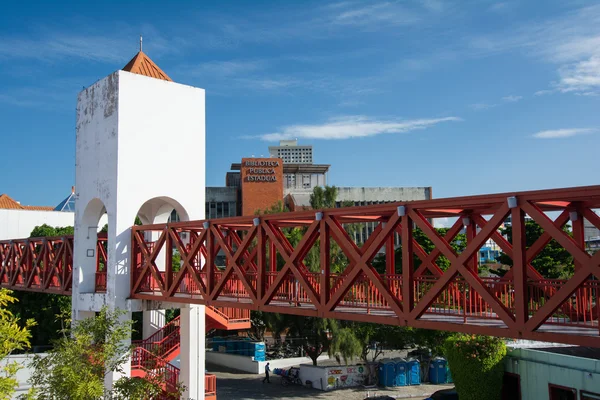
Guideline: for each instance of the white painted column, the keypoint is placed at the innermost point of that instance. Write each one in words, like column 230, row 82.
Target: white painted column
column 81, row 315
column 192, row 356
column 153, row 321
column 118, row 278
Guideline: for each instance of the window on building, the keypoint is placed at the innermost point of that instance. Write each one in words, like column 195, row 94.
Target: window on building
column 306, row 181
column 226, row 209
column 589, row 396
column 219, row 210
column 511, row 387
column 562, row 392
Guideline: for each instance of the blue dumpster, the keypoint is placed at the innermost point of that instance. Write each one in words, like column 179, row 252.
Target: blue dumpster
column 387, row 373
column 414, row 372
column 401, row 375
column 437, row 371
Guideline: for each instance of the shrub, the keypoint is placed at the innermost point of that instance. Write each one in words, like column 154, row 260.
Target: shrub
column 476, row 365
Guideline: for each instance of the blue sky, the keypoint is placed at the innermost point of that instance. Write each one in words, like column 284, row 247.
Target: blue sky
column 468, row 97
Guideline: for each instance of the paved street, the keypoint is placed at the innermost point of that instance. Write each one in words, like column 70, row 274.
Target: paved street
column 233, row 385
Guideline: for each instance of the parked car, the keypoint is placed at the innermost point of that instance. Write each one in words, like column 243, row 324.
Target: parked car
column 444, row 394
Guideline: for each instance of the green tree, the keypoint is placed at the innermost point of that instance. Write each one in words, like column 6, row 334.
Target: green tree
column 49, row 231
column 458, row 244
column 433, row 340
column 346, row 344
column 42, row 306
column 312, row 333
column 477, row 365
column 552, row 262
column 261, row 322
column 14, row 336
column 77, row 365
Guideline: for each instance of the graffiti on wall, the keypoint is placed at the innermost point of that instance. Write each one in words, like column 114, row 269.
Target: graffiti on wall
column 345, row 377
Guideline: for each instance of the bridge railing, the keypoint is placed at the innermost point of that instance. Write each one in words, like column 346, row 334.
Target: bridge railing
column 308, row 263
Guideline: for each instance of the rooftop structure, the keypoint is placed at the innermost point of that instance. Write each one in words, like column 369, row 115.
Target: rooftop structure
column 291, row 153
column 68, row 204
column 142, row 64
column 7, row 203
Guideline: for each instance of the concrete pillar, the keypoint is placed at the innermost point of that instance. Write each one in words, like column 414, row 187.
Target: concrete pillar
column 193, row 326
column 81, row 315
column 118, row 279
column 153, row 321
column 119, row 119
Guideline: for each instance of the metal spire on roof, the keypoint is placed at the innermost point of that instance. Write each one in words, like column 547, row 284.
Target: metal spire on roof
column 140, row 42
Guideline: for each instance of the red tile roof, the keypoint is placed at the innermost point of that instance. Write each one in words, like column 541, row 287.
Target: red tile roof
column 143, row 65
column 7, row 203
column 39, row 208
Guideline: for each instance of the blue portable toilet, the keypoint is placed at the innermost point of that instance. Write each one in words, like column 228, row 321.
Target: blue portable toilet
column 414, row 372
column 387, row 373
column 448, row 374
column 400, row 372
column 437, row 371
column 259, row 355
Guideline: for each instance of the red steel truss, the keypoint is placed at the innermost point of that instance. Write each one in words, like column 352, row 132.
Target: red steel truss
column 263, row 269
column 45, row 264
column 251, row 263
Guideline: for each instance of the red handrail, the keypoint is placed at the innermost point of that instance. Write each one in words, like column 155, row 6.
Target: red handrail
column 210, row 385
column 156, row 367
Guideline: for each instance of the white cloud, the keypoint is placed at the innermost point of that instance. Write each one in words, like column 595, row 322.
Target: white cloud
column 375, row 14
column 543, row 92
column 481, row 106
column 351, row 127
column 581, row 77
column 225, row 68
column 116, row 46
column 433, row 5
column 445, row 222
column 499, row 7
column 562, row 133
column 571, row 42
column 259, row 83
column 512, row 98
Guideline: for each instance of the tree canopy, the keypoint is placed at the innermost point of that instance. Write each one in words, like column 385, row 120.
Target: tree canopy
column 552, row 262
column 77, row 365
column 43, row 306
column 14, row 336
column 458, row 244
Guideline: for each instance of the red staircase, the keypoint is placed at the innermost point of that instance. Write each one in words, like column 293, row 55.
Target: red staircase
column 151, row 357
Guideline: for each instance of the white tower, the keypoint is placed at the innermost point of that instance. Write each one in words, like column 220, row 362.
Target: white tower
column 140, row 150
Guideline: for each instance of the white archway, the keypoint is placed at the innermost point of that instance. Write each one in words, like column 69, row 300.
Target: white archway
column 87, row 242
column 158, row 210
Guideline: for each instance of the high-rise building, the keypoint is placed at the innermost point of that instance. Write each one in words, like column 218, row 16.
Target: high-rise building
column 291, row 153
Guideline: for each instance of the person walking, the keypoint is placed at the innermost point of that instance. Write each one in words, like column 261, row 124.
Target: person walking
column 267, row 370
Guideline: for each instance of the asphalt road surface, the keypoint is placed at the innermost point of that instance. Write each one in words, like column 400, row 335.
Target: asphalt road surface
column 235, row 385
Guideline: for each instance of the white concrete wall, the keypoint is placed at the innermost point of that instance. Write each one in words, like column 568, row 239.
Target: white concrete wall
column 24, row 373
column 18, row 224
column 246, row 364
column 163, row 124
column 125, row 123
column 383, row 193
column 538, row 369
